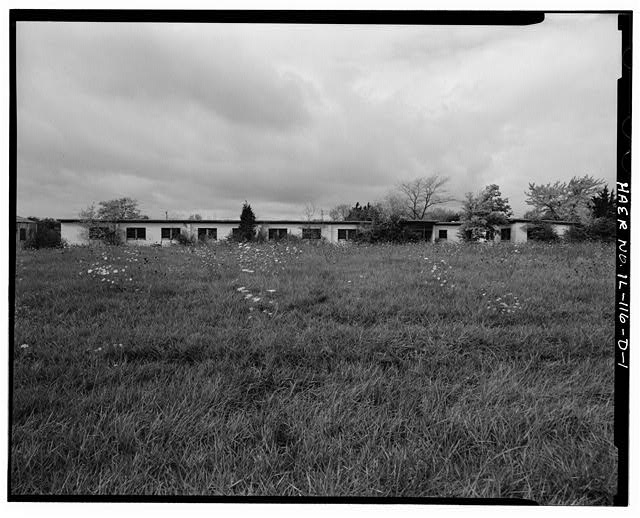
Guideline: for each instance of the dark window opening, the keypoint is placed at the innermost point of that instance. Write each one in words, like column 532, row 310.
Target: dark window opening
column 23, row 234
column 136, row 233
column 207, row 233
column 311, row 233
column 505, row 234
column 442, row 234
column 277, row 233
column 346, row 234
column 169, row 232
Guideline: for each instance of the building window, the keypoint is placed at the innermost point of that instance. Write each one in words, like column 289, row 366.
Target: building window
column 169, row 232
column 23, row 234
column 277, row 233
column 207, row 233
column 505, row 234
column 311, row 233
column 346, row 233
column 442, row 234
column 137, row 233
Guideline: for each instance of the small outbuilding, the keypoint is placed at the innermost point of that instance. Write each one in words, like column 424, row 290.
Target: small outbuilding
column 25, row 230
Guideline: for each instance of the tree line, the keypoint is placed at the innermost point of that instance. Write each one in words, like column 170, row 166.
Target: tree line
column 584, row 201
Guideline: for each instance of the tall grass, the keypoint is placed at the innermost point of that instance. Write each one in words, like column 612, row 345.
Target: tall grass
column 292, row 369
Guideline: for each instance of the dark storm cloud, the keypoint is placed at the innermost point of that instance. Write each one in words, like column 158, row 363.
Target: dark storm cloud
column 202, row 117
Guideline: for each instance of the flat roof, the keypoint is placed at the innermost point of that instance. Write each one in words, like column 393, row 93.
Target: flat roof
column 551, row 221
column 287, row 221
column 223, row 221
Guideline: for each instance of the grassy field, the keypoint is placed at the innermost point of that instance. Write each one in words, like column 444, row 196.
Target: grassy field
column 294, row 369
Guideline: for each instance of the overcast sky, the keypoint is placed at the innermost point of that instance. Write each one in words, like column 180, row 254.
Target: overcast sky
column 199, row 117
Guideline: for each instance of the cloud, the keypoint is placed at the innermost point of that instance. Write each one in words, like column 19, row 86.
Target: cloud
column 184, row 116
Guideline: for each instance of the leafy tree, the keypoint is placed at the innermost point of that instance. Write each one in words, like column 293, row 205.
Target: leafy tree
column 420, row 194
column 247, row 230
column 366, row 212
column 569, row 201
column 483, row 214
column 604, row 204
column 122, row 208
column 603, row 222
column 386, row 229
column 103, row 219
column 195, row 217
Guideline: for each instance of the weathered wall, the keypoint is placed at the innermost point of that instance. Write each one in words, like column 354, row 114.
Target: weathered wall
column 30, row 230
column 452, row 232
column 76, row 234
column 560, row 228
column 518, row 232
column 73, row 234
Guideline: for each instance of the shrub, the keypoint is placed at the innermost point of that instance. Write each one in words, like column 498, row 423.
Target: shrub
column 44, row 237
column 576, row 233
column 541, row 232
column 185, row 239
column 603, row 229
column 386, row 231
column 261, row 235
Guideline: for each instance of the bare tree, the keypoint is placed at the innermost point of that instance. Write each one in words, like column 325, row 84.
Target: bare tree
column 420, row 194
column 309, row 211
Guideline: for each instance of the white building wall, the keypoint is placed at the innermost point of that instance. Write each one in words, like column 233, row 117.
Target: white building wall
column 224, row 230
column 453, row 235
column 292, row 229
column 328, row 231
column 560, row 229
column 74, row 234
column 518, row 232
column 154, row 231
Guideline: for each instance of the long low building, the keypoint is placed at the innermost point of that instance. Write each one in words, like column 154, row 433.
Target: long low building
column 167, row 231
column 516, row 231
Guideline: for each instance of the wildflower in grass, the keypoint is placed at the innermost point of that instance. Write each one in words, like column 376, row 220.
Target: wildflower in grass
column 271, row 291
column 24, row 346
column 256, row 299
